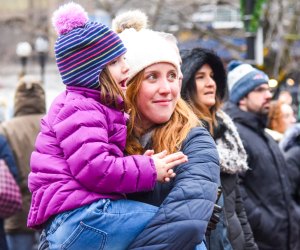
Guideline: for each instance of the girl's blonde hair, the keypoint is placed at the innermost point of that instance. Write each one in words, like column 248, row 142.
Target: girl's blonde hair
column 168, row 136
column 110, row 93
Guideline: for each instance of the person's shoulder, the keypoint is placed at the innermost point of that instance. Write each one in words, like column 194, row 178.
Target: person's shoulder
column 3, row 139
column 277, row 136
column 198, row 131
column 70, row 100
column 199, row 134
column 58, row 100
column 199, row 145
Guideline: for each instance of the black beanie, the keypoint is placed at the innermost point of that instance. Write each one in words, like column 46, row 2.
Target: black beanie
column 193, row 60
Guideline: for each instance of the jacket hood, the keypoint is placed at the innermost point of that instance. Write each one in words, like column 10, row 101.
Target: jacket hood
column 29, row 98
column 291, row 138
column 193, row 60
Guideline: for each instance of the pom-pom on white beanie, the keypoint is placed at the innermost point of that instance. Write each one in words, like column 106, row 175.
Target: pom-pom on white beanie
column 144, row 46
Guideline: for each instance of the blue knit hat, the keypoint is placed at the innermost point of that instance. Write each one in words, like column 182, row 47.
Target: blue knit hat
column 242, row 78
column 83, row 48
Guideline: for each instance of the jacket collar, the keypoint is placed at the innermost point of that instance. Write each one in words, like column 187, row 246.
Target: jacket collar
column 249, row 119
column 91, row 93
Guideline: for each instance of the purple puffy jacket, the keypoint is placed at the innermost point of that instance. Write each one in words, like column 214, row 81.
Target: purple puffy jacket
column 79, row 158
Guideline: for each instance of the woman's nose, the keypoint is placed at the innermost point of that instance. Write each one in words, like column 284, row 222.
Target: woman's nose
column 164, row 86
column 210, row 81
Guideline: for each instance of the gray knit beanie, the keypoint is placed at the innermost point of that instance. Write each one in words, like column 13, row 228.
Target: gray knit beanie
column 242, row 79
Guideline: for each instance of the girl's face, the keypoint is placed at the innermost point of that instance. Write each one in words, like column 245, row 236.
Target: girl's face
column 206, row 86
column 119, row 69
column 158, row 94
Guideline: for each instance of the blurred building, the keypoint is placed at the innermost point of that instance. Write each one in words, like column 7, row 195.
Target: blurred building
column 25, row 20
column 223, row 19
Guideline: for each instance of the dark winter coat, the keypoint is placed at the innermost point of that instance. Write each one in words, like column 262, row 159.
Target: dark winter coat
column 239, row 231
column 265, row 188
column 6, row 155
column 233, row 160
column 290, row 145
column 292, row 157
column 186, row 203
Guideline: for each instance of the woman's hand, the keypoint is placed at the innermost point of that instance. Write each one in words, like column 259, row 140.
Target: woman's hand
column 164, row 163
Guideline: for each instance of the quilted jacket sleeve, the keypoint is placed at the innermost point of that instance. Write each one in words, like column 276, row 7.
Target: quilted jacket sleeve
column 94, row 160
column 181, row 220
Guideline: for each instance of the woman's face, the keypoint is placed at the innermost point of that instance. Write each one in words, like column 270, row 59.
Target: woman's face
column 206, row 86
column 288, row 116
column 158, row 94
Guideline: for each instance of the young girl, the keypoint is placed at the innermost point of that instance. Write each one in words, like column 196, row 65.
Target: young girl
column 79, row 175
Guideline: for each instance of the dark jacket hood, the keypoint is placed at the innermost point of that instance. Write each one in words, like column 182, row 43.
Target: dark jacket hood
column 291, row 138
column 193, row 60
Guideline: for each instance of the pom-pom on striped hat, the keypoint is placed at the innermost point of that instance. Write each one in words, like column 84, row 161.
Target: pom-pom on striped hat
column 83, row 48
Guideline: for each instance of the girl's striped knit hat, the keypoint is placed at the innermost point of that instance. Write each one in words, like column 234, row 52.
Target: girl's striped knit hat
column 83, row 48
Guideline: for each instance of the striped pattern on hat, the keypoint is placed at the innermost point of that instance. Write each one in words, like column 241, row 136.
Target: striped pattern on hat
column 83, row 53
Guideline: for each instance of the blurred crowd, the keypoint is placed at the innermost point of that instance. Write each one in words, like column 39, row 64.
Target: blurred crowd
column 253, row 137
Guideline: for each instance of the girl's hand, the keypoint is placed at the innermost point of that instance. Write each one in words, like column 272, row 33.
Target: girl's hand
column 164, row 164
column 149, row 152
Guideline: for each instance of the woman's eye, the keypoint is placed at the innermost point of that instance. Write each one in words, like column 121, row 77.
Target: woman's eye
column 199, row 77
column 151, row 77
column 172, row 76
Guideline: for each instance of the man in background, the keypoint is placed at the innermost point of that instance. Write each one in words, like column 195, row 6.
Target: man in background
column 265, row 188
